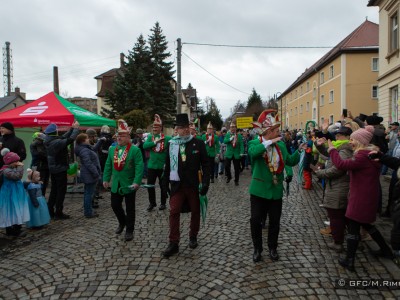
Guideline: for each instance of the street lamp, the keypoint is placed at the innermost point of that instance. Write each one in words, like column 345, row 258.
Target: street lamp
column 276, row 96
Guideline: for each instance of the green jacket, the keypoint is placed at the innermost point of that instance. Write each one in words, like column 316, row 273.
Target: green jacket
column 131, row 173
column 261, row 183
column 233, row 152
column 214, row 149
column 157, row 159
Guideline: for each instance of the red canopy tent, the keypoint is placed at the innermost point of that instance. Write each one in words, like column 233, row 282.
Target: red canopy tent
column 52, row 108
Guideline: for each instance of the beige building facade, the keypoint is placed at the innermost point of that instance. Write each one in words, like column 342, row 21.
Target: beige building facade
column 389, row 60
column 344, row 78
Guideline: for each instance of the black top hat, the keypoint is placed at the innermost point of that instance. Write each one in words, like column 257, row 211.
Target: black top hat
column 182, row 120
column 362, row 117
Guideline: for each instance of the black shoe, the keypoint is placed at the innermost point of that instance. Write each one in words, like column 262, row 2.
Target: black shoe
column 162, row 207
column 119, row 229
column 236, row 183
column 381, row 253
column 273, row 254
column 151, row 206
column 347, row 263
column 212, row 180
column 193, row 242
column 61, row 216
column 93, row 215
column 220, row 173
column 228, row 180
column 172, row 249
column 128, row 236
column 257, row 255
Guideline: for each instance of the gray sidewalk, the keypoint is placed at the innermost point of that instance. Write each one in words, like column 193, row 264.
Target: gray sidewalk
column 83, row 258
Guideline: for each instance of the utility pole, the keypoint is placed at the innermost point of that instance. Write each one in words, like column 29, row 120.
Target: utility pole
column 56, row 88
column 7, row 69
column 179, row 80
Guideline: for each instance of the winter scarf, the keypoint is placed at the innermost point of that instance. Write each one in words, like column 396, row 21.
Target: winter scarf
column 177, row 144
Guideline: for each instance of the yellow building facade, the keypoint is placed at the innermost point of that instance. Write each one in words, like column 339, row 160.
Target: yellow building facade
column 389, row 59
column 344, row 78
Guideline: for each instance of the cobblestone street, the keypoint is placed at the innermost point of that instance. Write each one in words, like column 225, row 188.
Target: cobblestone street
column 83, row 258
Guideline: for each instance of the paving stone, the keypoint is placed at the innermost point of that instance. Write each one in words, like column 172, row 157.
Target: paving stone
column 80, row 258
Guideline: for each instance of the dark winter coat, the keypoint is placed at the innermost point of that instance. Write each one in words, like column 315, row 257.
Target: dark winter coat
column 364, row 185
column 39, row 155
column 337, row 181
column 15, row 145
column 90, row 171
column 57, row 151
column 196, row 159
column 394, row 163
column 103, row 148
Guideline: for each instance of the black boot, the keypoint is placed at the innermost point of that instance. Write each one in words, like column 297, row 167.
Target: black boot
column 352, row 244
column 347, row 263
column 257, row 255
column 172, row 249
column 384, row 250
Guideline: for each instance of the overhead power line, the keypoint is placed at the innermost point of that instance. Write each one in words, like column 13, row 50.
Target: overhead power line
column 260, row 47
column 214, row 75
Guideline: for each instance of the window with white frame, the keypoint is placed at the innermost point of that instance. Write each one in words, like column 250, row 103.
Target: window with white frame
column 308, row 106
column 322, row 120
column 322, row 77
column 301, row 90
column 295, row 94
column 331, row 71
column 331, row 96
column 394, row 95
column 322, row 100
column 375, row 64
column 331, row 119
column 375, row 91
column 394, row 32
column 301, row 124
column 301, row 108
column 308, row 86
column 295, row 111
column 314, row 94
column 314, row 113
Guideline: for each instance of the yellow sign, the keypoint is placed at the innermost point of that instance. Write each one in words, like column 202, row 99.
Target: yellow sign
column 244, row 122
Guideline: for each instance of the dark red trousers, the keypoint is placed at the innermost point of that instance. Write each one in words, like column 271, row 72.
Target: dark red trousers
column 307, row 175
column 191, row 195
column 338, row 222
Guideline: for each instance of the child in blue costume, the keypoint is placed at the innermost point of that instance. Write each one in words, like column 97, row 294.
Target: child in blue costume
column 14, row 209
column 38, row 209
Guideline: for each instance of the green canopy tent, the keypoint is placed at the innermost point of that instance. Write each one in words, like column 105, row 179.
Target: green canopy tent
column 52, row 108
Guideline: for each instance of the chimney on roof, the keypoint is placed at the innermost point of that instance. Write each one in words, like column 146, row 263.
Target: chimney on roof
column 122, row 59
column 17, row 91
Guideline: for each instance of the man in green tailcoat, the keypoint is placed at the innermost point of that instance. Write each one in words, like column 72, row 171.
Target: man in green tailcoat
column 212, row 147
column 234, row 152
column 124, row 168
column 157, row 144
column 269, row 157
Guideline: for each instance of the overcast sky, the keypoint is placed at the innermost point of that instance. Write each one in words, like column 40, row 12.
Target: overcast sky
column 84, row 38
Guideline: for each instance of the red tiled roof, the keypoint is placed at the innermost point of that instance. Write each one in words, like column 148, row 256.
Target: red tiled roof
column 364, row 38
column 112, row 72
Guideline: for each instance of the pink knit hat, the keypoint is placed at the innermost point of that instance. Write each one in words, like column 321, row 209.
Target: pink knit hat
column 363, row 135
column 9, row 157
